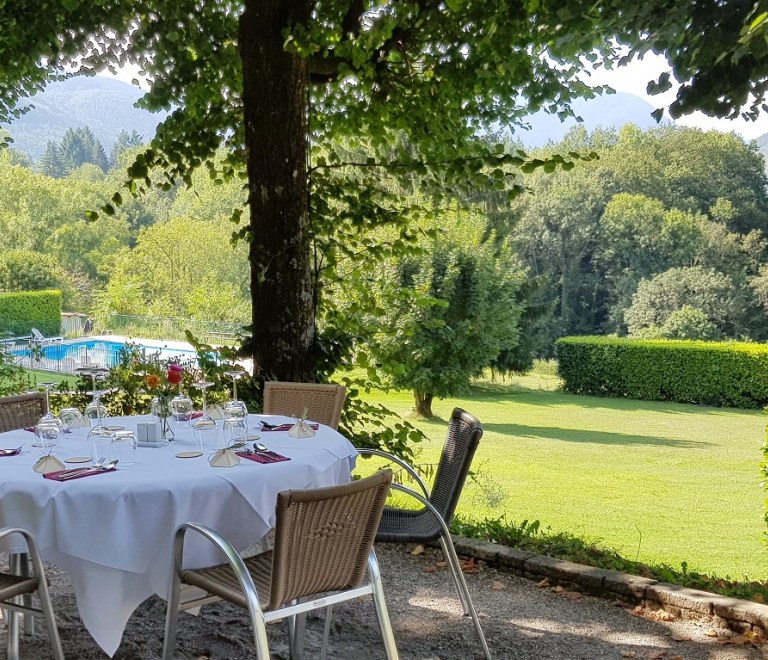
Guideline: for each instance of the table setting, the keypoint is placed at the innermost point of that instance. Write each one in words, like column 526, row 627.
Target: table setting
column 103, row 505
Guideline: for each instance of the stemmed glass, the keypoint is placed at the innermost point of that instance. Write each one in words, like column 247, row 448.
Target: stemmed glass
column 95, row 410
column 49, row 417
column 235, row 409
column 72, row 420
column 204, row 428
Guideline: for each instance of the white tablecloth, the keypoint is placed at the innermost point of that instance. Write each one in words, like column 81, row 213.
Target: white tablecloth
column 112, row 532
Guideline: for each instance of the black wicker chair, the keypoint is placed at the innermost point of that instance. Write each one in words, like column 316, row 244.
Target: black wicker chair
column 431, row 522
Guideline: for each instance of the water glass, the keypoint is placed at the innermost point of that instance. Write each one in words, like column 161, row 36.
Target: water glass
column 124, row 446
column 47, row 435
column 100, row 443
column 206, row 433
column 182, row 408
column 235, row 430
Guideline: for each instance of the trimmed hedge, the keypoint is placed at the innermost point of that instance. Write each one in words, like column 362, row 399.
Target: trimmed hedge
column 710, row 373
column 20, row 312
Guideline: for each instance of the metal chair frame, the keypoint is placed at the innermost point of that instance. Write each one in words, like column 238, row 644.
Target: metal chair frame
column 425, row 499
column 260, row 616
column 21, row 586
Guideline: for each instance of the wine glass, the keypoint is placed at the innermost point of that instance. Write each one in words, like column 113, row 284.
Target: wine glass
column 235, row 408
column 73, row 420
column 96, row 410
column 49, row 416
column 204, row 428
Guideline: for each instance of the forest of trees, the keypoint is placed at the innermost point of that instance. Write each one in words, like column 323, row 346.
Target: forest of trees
column 663, row 234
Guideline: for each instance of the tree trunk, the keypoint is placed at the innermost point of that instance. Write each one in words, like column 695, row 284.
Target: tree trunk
column 275, row 109
column 423, row 404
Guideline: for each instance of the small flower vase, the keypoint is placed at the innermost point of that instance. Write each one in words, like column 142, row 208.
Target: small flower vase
column 161, row 408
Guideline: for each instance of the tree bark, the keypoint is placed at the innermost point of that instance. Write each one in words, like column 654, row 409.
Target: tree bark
column 275, row 109
column 423, row 404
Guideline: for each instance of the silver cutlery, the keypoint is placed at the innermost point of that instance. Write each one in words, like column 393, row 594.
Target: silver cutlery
column 8, row 452
column 97, row 467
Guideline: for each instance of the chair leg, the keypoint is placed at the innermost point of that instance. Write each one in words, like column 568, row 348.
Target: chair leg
column 49, row 617
column 380, row 604
column 12, row 617
column 29, row 619
column 297, row 627
column 464, row 597
column 455, row 569
column 172, row 617
column 45, row 600
column 260, row 638
column 326, row 632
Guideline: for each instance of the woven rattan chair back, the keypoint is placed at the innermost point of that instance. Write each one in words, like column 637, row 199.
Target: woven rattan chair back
column 21, row 411
column 464, row 433
column 324, row 402
column 323, row 537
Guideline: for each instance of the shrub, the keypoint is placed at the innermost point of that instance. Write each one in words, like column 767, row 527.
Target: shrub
column 20, row 312
column 711, row 373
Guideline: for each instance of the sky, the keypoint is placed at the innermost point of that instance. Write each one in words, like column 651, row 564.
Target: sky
column 635, row 76
column 632, row 79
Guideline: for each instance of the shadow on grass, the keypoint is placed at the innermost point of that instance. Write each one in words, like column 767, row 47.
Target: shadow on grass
column 595, row 437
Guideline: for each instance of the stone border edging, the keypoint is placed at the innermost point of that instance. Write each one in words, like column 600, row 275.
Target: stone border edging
column 723, row 611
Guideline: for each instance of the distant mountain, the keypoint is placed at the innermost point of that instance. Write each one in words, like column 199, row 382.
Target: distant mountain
column 608, row 111
column 762, row 144
column 104, row 105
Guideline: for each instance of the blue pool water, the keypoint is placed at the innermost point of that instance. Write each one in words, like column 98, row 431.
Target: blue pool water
column 65, row 356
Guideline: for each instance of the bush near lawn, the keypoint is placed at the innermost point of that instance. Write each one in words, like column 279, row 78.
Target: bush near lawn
column 22, row 311
column 710, row 373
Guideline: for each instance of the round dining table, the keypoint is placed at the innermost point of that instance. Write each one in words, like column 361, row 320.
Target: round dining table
column 112, row 532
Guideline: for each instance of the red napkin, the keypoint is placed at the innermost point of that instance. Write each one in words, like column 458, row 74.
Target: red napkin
column 56, row 476
column 263, row 457
column 287, row 427
column 197, row 414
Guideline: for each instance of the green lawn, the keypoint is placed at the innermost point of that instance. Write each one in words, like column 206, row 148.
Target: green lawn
column 658, row 482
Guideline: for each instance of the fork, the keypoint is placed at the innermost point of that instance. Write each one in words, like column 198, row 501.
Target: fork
column 74, row 471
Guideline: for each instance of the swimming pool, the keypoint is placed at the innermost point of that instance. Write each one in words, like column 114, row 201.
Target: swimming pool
column 67, row 355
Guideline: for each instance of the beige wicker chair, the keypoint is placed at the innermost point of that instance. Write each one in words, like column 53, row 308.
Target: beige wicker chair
column 323, row 543
column 323, row 402
column 21, row 411
column 14, row 586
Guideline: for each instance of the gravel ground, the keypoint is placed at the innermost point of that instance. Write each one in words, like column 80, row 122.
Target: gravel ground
column 520, row 620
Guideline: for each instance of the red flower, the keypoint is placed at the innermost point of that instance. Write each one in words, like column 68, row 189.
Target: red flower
column 174, row 376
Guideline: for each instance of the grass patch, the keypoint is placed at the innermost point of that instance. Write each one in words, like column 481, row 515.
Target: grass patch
column 658, row 483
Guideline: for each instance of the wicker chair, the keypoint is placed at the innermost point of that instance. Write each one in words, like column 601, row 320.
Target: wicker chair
column 323, row 402
column 431, row 522
column 21, row 411
column 323, row 543
column 14, row 586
